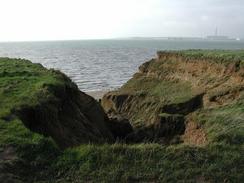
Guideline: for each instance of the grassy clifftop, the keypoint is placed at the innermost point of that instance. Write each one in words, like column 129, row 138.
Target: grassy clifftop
column 22, row 83
column 206, row 87
column 48, row 102
column 217, row 56
column 42, row 111
column 165, row 93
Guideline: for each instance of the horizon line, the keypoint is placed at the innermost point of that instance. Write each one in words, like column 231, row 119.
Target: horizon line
column 116, row 38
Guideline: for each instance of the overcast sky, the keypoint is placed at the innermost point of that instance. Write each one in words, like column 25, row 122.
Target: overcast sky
column 25, row 20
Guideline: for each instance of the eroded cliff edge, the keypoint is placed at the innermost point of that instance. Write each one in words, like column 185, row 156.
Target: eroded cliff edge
column 49, row 103
column 187, row 104
column 179, row 97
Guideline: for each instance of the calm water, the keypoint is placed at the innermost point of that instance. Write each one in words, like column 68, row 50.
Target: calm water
column 101, row 65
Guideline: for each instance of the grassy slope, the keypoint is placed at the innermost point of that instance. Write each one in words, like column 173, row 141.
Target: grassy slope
column 22, row 82
column 171, row 91
column 154, row 92
column 224, row 123
column 40, row 160
column 165, row 91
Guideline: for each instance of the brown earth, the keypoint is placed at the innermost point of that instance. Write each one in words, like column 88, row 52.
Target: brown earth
column 194, row 134
column 212, row 84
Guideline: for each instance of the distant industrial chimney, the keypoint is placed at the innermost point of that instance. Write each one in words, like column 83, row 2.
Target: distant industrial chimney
column 216, row 31
column 217, row 37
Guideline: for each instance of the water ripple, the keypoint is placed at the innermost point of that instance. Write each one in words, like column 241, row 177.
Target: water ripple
column 100, row 65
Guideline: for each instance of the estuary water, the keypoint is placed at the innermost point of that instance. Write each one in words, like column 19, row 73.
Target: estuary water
column 96, row 65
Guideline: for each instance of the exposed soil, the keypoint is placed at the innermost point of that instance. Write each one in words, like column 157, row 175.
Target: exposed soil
column 194, row 134
column 213, row 83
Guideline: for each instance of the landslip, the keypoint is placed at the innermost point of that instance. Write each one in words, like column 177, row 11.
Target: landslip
column 177, row 92
column 180, row 118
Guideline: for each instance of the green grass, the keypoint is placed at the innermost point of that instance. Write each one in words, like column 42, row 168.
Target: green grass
column 40, row 160
column 24, row 83
column 165, row 91
column 224, row 124
column 152, row 162
column 218, row 56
